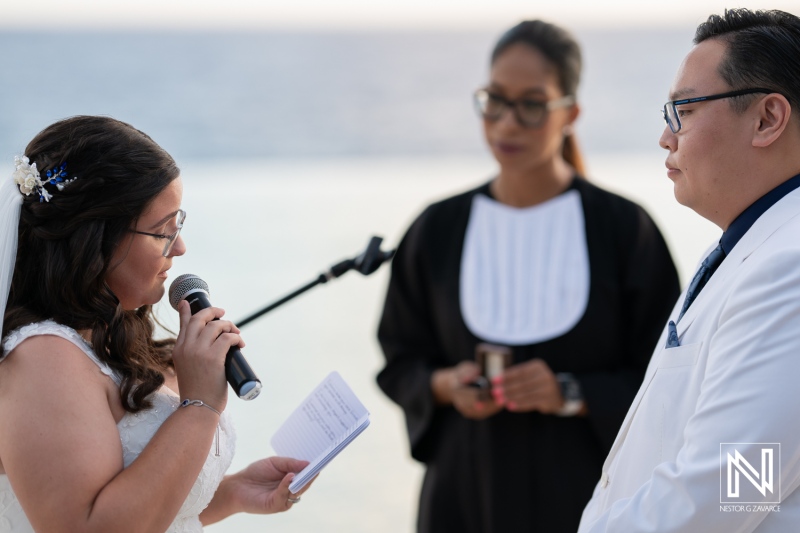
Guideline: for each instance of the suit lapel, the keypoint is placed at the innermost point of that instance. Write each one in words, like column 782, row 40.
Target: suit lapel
column 776, row 216
column 779, row 214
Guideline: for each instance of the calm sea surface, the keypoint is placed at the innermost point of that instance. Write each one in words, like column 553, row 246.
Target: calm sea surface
column 272, row 94
column 295, row 149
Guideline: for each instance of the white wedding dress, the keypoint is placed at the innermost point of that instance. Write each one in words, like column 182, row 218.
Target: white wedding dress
column 135, row 431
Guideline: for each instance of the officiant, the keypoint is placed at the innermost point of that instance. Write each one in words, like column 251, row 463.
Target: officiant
column 574, row 281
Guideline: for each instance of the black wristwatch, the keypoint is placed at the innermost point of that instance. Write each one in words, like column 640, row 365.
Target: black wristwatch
column 571, row 391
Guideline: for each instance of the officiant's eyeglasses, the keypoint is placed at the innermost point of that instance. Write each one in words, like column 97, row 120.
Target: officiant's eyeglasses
column 180, row 217
column 529, row 113
column 672, row 116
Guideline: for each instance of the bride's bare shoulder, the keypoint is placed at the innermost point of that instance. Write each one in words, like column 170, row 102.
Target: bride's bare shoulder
column 44, row 360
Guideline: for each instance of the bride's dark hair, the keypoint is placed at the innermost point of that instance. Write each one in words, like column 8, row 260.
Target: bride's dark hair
column 66, row 245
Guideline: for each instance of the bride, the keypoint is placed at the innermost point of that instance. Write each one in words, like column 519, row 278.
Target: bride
column 103, row 427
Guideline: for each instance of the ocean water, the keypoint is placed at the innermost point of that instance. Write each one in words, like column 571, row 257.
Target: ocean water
column 314, row 94
column 296, row 148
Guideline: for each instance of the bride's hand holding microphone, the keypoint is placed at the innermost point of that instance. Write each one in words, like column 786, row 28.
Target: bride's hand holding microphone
column 199, row 354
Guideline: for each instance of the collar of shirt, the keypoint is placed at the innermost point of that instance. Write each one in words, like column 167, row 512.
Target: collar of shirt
column 747, row 218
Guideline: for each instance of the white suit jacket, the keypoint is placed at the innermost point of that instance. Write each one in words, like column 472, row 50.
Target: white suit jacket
column 735, row 378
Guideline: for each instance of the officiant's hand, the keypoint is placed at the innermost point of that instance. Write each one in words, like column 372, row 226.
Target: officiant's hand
column 451, row 386
column 528, row 386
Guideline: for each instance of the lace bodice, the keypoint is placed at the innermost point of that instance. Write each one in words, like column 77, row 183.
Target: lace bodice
column 135, row 431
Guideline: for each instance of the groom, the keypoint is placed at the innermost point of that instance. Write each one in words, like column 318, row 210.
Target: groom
column 712, row 440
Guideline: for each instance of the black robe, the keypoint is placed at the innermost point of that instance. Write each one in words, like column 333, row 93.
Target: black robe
column 524, row 472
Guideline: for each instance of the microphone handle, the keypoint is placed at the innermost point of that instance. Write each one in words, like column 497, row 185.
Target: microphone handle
column 237, row 371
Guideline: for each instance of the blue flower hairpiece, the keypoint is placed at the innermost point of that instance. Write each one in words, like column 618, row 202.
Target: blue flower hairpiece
column 27, row 176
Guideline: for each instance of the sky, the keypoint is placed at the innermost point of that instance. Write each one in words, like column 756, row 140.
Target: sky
column 359, row 14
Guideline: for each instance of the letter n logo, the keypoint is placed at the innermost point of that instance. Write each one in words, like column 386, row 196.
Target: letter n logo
column 747, row 472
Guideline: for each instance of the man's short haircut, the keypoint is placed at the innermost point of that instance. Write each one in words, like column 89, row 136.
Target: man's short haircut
column 763, row 50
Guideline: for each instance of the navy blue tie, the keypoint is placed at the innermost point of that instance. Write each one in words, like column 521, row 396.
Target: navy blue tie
column 704, row 273
column 707, row 268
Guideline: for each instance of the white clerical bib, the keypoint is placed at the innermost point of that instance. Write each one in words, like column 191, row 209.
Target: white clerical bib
column 524, row 272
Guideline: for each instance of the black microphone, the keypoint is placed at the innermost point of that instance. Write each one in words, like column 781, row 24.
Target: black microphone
column 239, row 374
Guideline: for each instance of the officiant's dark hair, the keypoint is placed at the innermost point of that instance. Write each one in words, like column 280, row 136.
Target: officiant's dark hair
column 762, row 50
column 66, row 244
column 564, row 53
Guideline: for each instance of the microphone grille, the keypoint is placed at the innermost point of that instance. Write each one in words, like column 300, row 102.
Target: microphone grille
column 184, row 284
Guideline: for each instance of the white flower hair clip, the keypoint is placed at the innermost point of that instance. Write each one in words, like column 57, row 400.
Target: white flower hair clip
column 26, row 175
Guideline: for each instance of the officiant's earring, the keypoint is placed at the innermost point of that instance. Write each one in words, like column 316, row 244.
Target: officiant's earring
column 568, row 130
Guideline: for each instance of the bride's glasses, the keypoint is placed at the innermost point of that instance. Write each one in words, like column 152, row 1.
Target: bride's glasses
column 170, row 238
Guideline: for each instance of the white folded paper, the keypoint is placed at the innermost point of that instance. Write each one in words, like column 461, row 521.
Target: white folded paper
column 321, row 427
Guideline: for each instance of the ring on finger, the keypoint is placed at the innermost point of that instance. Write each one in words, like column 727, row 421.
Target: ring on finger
column 294, row 500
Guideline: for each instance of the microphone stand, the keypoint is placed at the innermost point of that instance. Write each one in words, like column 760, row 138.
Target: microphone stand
column 366, row 263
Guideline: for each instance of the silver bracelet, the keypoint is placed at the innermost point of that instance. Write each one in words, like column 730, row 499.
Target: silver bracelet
column 201, row 403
